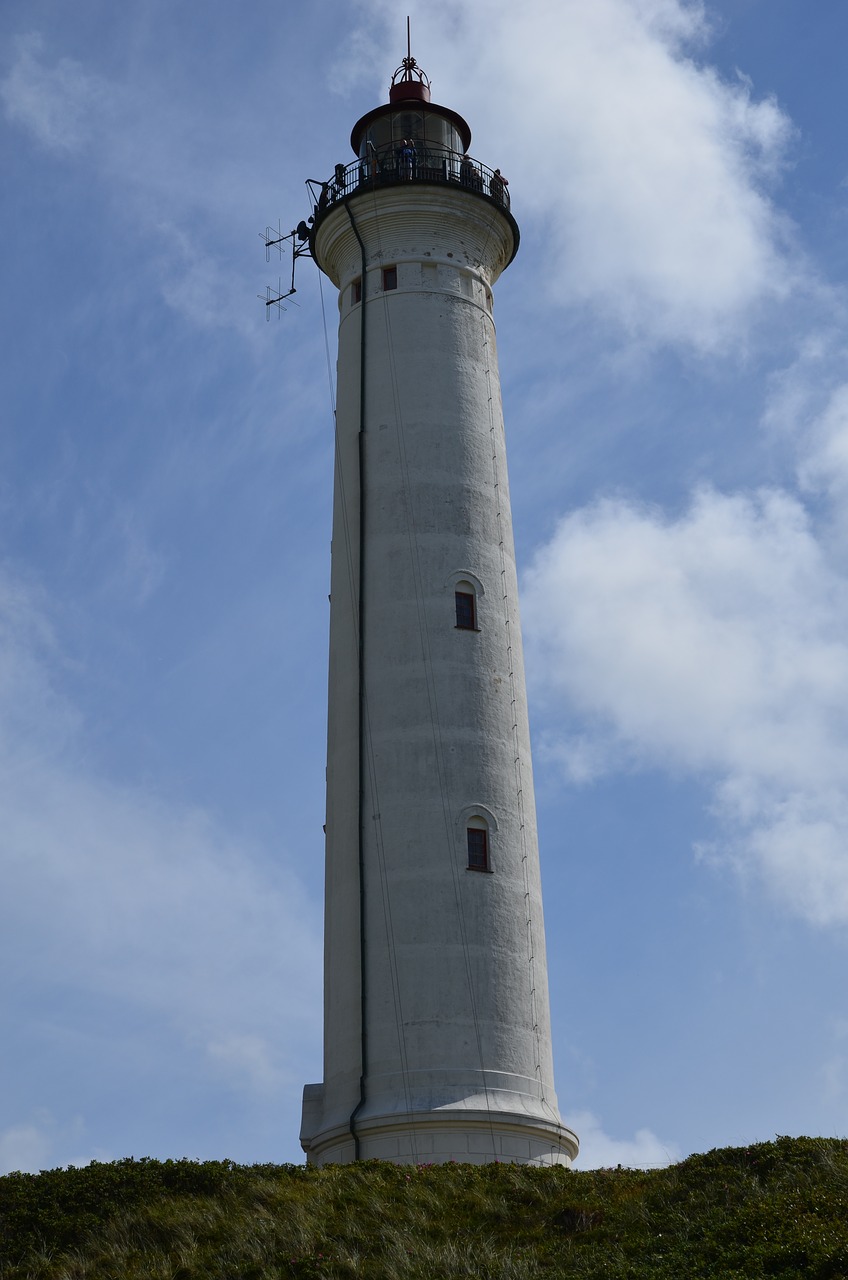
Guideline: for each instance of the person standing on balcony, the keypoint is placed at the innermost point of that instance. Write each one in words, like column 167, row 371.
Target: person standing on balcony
column 406, row 159
column 497, row 186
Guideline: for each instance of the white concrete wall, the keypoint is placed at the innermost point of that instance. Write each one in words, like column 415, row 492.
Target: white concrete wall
column 458, row 1055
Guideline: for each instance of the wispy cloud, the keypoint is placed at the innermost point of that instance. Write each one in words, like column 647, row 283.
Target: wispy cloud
column 114, row 893
column 61, row 105
column 150, row 153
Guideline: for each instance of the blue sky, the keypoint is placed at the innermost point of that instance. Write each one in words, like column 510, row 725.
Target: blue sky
column 675, row 377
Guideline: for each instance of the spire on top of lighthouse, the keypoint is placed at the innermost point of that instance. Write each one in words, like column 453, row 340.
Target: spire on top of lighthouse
column 409, row 82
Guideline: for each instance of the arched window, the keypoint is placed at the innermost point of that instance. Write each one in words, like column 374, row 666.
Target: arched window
column 468, row 593
column 476, row 836
column 477, row 842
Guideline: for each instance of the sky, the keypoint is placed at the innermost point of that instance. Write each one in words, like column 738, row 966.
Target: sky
column 675, row 378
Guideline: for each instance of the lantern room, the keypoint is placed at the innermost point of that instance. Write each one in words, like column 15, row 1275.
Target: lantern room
column 436, row 133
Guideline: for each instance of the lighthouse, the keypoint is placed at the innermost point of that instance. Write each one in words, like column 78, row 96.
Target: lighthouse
column 437, row 1042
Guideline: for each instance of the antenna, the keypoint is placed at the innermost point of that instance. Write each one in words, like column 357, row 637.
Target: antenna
column 274, row 239
column 272, row 299
column 408, row 40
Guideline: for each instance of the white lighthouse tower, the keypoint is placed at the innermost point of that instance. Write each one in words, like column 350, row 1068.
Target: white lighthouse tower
column 437, row 1038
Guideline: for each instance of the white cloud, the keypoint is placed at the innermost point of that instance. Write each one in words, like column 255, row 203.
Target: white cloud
column 650, row 171
column 59, row 105
column 159, row 164
column 712, row 644
column 825, row 466
column 247, row 1056
column 647, row 173
column 32, row 1146
column 200, row 286
column 111, row 892
column 833, row 1073
column 24, row 1148
column 806, row 417
column 599, row 1151
column 120, row 894
column 833, row 1076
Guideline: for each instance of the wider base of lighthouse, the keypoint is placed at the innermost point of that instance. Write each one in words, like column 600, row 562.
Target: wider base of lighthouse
column 506, row 1123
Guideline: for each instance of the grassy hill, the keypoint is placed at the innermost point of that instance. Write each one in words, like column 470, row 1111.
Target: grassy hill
column 775, row 1209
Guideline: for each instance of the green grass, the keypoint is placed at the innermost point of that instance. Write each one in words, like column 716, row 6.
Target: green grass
column 775, row 1209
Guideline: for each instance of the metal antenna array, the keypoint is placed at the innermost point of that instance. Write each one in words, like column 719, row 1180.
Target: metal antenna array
column 274, row 239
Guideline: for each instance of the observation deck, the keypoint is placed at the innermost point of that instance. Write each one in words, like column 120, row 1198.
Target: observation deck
column 396, row 166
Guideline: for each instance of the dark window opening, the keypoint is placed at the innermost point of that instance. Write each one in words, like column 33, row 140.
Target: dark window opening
column 356, row 291
column 478, row 849
column 389, row 277
column 466, row 617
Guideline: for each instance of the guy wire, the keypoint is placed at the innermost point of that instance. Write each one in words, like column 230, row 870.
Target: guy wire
column 327, row 346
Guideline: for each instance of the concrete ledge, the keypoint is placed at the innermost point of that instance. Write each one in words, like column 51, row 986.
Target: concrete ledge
column 440, row 1137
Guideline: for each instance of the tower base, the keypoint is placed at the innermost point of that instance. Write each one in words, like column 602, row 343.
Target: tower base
column 443, row 1135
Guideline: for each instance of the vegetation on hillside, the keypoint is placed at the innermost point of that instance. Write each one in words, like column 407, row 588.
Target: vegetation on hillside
column 773, row 1210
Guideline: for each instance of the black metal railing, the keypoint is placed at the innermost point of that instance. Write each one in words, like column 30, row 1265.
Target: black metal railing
column 392, row 166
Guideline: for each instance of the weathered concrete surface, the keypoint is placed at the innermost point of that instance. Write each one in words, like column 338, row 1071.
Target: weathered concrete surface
column 457, row 1038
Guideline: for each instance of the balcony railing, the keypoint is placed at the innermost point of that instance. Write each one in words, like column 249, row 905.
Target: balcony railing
column 393, row 166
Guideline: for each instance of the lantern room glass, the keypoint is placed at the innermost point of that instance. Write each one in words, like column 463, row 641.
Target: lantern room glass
column 429, row 131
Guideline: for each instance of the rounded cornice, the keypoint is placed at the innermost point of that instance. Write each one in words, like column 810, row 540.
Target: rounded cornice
column 408, row 223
